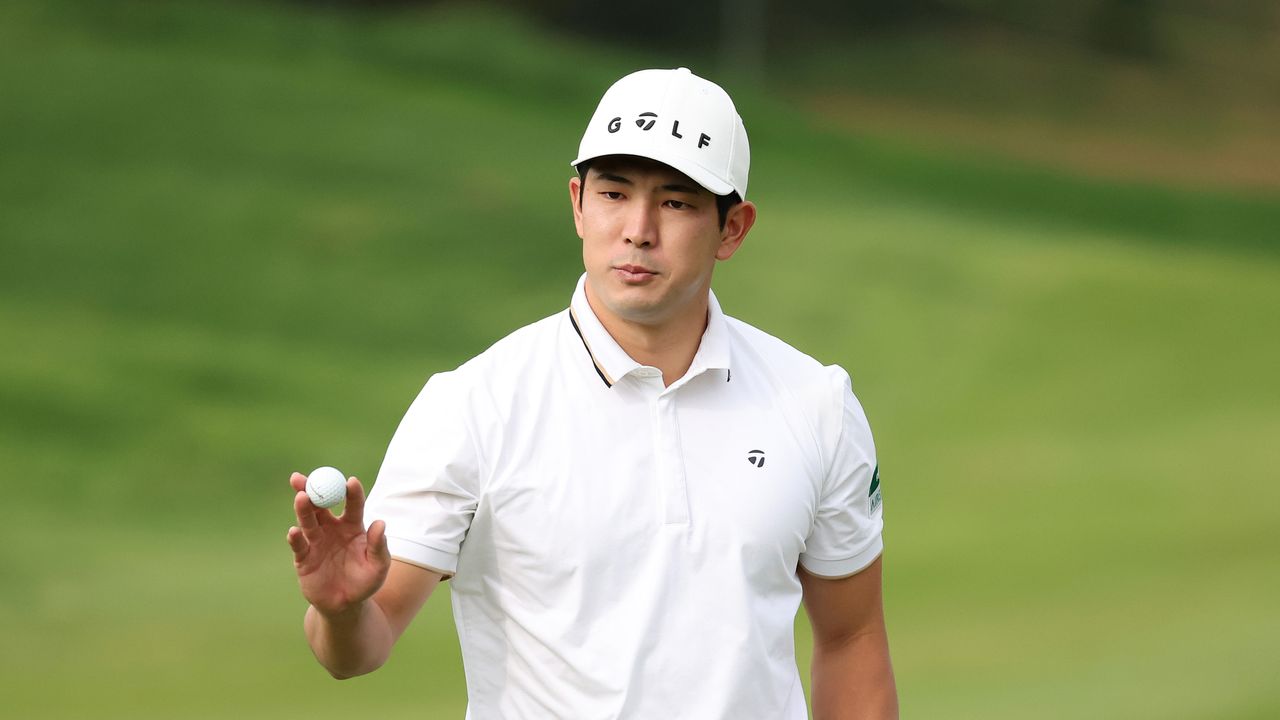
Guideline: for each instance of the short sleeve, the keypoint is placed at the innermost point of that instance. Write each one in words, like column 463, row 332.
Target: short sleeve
column 846, row 534
column 427, row 488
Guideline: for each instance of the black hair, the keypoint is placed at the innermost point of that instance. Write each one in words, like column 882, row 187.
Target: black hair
column 724, row 203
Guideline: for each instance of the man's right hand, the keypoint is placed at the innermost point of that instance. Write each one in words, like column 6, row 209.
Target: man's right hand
column 339, row 564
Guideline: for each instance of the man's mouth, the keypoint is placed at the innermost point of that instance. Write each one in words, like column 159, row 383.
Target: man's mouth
column 634, row 272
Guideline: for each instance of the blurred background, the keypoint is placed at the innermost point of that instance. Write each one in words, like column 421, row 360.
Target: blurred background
column 1043, row 237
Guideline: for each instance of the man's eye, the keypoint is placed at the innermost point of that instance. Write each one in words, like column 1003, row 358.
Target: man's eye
column 677, row 204
column 612, row 194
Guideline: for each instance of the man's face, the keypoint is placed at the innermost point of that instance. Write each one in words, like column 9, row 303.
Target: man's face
column 650, row 240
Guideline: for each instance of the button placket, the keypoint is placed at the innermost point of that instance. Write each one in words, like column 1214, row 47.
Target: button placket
column 675, row 499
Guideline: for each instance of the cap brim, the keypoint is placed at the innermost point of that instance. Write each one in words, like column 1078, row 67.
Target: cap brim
column 696, row 172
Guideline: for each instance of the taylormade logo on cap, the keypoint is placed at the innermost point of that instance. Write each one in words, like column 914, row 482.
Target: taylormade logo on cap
column 676, row 118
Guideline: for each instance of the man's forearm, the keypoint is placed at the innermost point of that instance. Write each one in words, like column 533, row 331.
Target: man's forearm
column 351, row 644
column 853, row 678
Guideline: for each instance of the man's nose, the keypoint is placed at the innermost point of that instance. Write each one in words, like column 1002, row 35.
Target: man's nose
column 641, row 228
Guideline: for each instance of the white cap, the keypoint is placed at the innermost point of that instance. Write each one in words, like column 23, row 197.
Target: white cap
column 676, row 118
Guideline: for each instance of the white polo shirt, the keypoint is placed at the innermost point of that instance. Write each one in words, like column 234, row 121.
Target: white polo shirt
column 621, row 549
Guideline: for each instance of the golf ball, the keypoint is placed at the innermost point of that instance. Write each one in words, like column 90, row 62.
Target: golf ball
column 326, row 486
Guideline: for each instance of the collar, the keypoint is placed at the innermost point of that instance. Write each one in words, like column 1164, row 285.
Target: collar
column 613, row 363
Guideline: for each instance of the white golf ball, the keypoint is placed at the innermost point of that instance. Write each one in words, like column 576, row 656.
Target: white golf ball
column 326, row 486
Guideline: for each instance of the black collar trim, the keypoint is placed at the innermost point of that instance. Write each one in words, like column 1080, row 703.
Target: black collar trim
column 594, row 363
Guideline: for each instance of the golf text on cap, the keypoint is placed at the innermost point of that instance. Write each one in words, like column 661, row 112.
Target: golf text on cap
column 646, row 120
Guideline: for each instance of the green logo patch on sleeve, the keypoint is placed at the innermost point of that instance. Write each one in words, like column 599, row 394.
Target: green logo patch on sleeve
column 874, row 498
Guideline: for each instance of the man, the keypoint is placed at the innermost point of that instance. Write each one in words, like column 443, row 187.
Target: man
column 633, row 496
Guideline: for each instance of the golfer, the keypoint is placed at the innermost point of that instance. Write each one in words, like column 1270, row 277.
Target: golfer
column 633, row 496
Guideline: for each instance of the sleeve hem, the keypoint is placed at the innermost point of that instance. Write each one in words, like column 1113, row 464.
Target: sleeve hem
column 833, row 569
column 418, row 554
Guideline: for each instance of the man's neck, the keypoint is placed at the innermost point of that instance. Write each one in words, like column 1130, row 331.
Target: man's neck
column 669, row 346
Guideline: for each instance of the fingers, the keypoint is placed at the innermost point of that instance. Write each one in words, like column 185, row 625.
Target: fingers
column 312, row 520
column 354, row 510
column 298, row 543
column 377, row 551
column 309, row 516
column 306, row 512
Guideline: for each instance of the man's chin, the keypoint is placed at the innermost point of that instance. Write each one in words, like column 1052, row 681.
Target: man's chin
column 630, row 307
column 639, row 313
column 640, row 304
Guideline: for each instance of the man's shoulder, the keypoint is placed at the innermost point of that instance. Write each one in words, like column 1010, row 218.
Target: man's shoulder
column 499, row 374
column 819, row 393
column 511, row 349
column 520, row 353
column 776, row 356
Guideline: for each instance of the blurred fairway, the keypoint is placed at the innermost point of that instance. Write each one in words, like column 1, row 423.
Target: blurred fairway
column 236, row 239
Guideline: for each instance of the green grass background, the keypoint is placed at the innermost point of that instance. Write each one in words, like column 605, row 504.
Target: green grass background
column 236, row 239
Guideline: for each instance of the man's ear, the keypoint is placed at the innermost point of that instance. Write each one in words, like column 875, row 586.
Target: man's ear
column 737, row 224
column 575, row 190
